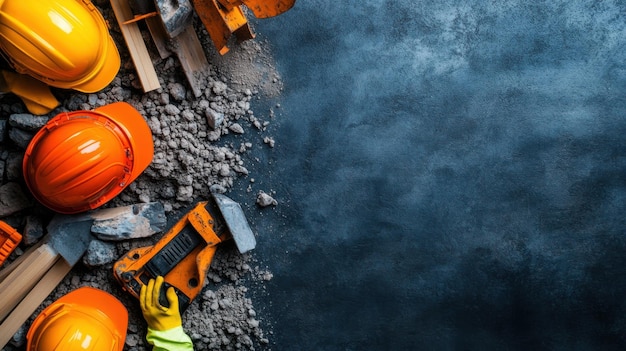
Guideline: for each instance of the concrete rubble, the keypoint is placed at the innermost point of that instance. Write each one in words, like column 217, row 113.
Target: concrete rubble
column 201, row 146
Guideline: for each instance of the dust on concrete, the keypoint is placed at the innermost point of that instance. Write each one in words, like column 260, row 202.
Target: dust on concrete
column 200, row 146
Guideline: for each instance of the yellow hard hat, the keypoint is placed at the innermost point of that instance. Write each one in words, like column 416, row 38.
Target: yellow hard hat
column 80, row 160
column 85, row 319
column 65, row 44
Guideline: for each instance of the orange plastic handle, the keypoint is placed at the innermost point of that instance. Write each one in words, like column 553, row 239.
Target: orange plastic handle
column 9, row 239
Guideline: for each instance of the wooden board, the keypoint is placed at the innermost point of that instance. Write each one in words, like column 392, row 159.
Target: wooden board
column 159, row 36
column 35, row 297
column 136, row 46
column 188, row 49
column 8, row 268
column 23, row 277
column 192, row 58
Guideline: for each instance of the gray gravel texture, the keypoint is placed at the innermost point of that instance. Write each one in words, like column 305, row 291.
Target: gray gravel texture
column 201, row 145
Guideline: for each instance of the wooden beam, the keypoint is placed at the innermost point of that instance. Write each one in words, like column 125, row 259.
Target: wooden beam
column 35, row 297
column 159, row 36
column 136, row 46
column 21, row 280
column 192, row 58
column 15, row 263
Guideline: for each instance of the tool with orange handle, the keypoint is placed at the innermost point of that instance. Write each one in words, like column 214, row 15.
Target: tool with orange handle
column 221, row 18
column 9, row 239
column 183, row 255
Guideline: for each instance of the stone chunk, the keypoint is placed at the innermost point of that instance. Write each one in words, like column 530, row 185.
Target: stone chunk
column 20, row 137
column 99, row 253
column 129, row 222
column 214, row 118
column 27, row 121
column 12, row 199
column 236, row 128
column 263, row 199
column 13, row 166
column 33, row 230
column 3, row 130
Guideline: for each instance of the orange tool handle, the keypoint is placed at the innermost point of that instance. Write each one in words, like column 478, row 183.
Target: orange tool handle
column 9, row 239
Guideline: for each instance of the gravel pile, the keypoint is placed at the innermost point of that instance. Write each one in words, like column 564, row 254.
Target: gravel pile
column 201, row 146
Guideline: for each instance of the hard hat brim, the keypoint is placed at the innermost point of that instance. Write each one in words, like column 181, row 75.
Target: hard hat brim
column 138, row 131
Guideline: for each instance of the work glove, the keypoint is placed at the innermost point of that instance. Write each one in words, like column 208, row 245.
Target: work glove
column 159, row 317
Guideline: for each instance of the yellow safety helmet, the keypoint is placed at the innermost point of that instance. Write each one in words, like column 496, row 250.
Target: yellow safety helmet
column 87, row 319
column 82, row 159
column 64, row 43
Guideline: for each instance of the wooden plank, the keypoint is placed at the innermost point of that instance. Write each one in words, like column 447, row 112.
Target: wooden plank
column 192, row 58
column 136, row 46
column 35, row 297
column 159, row 36
column 15, row 263
column 24, row 277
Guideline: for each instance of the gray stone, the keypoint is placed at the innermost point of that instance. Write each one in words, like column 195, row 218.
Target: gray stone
column 177, row 91
column 12, row 199
column 33, row 230
column 14, row 166
column 99, row 253
column 132, row 339
column 269, row 141
column 92, row 99
column 3, row 130
column 214, row 118
column 2, row 168
column 27, row 121
column 20, row 137
column 19, row 338
column 129, row 222
column 171, row 110
column 219, row 88
column 236, row 128
column 264, row 199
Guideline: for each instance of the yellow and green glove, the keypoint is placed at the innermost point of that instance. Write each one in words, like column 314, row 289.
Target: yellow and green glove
column 159, row 317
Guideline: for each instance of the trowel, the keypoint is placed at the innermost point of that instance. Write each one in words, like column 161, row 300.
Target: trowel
column 183, row 255
column 29, row 279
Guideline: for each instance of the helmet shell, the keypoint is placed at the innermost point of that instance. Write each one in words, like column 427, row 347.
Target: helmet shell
column 65, row 44
column 80, row 160
column 85, row 319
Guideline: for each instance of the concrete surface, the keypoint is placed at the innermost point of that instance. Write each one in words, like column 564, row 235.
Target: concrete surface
column 451, row 175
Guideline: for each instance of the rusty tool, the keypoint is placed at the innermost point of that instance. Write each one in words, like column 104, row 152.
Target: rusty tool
column 183, row 255
column 223, row 18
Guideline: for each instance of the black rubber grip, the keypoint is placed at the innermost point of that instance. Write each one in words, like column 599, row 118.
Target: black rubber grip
column 174, row 252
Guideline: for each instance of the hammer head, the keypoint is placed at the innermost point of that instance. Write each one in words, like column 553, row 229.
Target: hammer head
column 236, row 222
column 175, row 14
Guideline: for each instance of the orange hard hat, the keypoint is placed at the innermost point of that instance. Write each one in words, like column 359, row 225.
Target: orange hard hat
column 80, row 160
column 65, row 44
column 84, row 319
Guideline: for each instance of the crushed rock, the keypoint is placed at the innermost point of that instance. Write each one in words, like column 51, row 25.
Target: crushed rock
column 264, row 199
column 200, row 146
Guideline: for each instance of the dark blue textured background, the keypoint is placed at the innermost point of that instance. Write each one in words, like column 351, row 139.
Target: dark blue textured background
column 451, row 175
